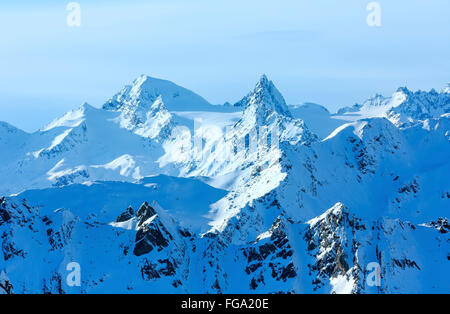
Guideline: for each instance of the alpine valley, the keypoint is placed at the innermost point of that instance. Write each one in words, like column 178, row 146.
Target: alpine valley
column 160, row 191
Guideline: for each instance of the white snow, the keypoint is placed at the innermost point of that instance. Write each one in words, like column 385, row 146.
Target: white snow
column 385, row 160
column 342, row 285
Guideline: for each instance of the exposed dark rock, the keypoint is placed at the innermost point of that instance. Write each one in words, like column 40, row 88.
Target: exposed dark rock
column 126, row 215
column 184, row 233
column 54, row 285
column 46, row 220
column 404, row 263
column 169, row 269
column 411, row 187
column 177, row 283
column 441, row 224
column 150, row 235
column 145, row 212
column 9, row 250
column 148, row 271
column 163, row 267
column 252, row 268
column 333, row 234
column 272, row 253
column 142, row 247
column 288, row 272
column 7, row 287
column 4, row 214
column 55, row 239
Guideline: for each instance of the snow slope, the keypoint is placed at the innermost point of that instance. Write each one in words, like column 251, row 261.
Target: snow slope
column 317, row 118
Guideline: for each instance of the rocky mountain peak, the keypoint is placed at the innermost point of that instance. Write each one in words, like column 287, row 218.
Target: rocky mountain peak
column 265, row 99
column 145, row 212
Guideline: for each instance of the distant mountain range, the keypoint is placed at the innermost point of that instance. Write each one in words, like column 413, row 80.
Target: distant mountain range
column 160, row 191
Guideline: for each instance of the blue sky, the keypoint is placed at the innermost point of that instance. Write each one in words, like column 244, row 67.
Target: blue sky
column 321, row 51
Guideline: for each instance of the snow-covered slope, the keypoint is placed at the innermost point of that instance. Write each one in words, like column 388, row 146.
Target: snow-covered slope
column 84, row 145
column 12, row 142
column 250, row 147
column 262, row 205
column 136, row 137
column 317, row 118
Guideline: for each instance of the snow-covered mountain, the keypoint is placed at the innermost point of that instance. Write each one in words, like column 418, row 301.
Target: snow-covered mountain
column 403, row 108
column 81, row 146
column 136, row 98
column 157, row 192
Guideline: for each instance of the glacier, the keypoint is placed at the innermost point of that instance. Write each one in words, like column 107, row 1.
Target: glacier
column 159, row 191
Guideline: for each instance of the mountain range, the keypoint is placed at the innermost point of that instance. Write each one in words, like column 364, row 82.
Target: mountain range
column 159, row 191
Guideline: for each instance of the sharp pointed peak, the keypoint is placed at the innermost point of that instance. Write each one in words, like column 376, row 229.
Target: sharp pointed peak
column 263, row 79
column 404, row 90
column 159, row 99
column 86, row 106
column 267, row 96
column 158, row 104
column 73, row 117
column 265, row 82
